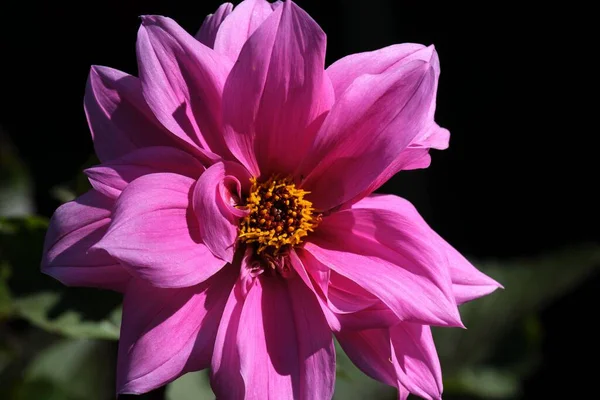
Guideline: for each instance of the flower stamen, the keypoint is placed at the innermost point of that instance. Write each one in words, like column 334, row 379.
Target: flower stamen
column 280, row 217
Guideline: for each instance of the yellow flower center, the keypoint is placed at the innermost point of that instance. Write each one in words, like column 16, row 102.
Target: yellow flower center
column 280, row 217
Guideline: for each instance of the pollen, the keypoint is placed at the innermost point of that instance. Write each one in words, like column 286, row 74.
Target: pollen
column 280, row 216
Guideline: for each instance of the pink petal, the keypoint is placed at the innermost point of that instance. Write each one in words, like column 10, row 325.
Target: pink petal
column 216, row 195
column 155, row 233
column 403, row 356
column 74, row 228
column 468, row 283
column 434, row 138
column 377, row 316
column 359, row 312
column 208, row 31
column 345, row 304
column 265, row 343
column 415, row 156
column 168, row 332
column 371, row 352
column 389, row 256
column 268, row 344
column 318, row 286
column 118, row 115
column 182, row 82
column 112, row 177
column 416, row 360
column 276, row 344
column 402, row 392
column 376, row 118
column 315, row 343
column 275, row 98
column 239, row 25
column 226, row 379
column 345, row 70
column 347, row 297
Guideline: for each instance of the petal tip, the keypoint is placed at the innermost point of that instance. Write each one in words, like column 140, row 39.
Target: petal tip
column 102, row 244
column 96, row 73
column 151, row 19
column 454, row 319
column 95, row 69
column 457, row 323
column 146, row 18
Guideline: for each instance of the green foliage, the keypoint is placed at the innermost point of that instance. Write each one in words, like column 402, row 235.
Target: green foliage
column 68, row 369
column 5, row 297
column 192, row 386
column 15, row 182
column 77, row 186
column 501, row 345
column 39, row 299
column 37, row 309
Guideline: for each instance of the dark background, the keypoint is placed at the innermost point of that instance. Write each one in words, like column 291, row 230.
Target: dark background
column 519, row 178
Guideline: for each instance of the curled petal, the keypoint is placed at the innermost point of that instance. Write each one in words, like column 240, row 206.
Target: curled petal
column 216, row 195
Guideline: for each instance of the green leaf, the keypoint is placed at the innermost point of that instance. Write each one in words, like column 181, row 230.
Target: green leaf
column 40, row 389
column 21, row 243
column 191, row 386
column 6, row 356
column 70, row 370
column 37, row 309
column 77, row 186
column 45, row 302
column 5, row 297
column 16, row 189
column 488, row 383
column 502, row 329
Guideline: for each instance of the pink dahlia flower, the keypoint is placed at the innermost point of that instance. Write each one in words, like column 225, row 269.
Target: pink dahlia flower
column 234, row 209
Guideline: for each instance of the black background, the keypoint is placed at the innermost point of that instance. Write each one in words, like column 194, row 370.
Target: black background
column 516, row 92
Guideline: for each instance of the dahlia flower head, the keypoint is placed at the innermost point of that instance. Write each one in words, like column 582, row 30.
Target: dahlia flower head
column 234, row 209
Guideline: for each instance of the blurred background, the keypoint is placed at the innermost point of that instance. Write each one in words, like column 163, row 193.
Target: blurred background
column 515, row 191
